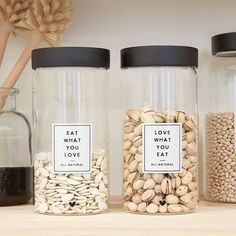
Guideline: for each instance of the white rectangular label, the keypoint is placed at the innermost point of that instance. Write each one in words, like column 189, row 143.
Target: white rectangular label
column 72, row 147
column 162, row 148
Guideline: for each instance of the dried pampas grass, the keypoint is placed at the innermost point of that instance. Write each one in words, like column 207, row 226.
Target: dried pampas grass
column 11, row 13
column 50, row 18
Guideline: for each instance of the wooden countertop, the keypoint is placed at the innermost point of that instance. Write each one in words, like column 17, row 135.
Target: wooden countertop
column 211, row 219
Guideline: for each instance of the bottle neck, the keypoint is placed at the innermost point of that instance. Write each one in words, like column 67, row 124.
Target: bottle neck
column 10, row 103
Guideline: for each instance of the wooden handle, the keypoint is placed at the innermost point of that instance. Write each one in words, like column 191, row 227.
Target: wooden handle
column 5, row 30
column 20, row 65
column 22, row 61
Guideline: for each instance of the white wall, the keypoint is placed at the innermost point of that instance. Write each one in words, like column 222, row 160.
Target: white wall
column 117, row 24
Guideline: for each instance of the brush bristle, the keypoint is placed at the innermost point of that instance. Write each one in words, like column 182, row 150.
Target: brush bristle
column 12, row 11
column 49, row 17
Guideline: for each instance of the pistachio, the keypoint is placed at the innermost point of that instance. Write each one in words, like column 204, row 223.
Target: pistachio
column 191, row 149
column 157, row 189
column 132, row 206
column 133, row 166
column 133, row 150
column 138, row 157
column 159, row 118
column 147, row 118
column 188, row 125
column 187, row 178
column 186, row 198
column 127, row 145
column 190, row 136
column 182, row 190
column 134, row 116
column 174, row 208
column 149, row 184
column 130, row 136
column 180, row 117
column 136, row 198
column 129, row 158
column 132, row 177
column 138, row 184
column 137, row 141
column 142, row 207
column 152, row 208
column 148, row 195
column 157, row 199
column 166, row 186
column 172, row 199
column 158, row 177
column 138, row 130
column 186, row 163
column 163, row 209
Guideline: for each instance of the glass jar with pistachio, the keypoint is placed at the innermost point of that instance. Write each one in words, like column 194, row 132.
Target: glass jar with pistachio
column 160, row 129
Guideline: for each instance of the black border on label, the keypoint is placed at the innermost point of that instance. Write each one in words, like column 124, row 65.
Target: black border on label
column 90, row 148
column 179, row 125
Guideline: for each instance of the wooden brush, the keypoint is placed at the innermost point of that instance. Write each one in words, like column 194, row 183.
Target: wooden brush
column 47, row 19
column 11, row 12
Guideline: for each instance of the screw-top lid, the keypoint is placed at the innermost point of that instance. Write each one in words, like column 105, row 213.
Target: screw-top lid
column 223, row 43
column 71, row 56
column 159, row 56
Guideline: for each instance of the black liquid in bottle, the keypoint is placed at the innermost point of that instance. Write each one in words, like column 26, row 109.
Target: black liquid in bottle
column 16, row 185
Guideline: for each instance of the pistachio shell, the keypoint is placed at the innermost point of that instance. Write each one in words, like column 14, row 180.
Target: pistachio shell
column 138, row 184
column 187, row 178
column 188, row 125
column 138, row 130
column 191, row 149
column 190, row 136
column 127, row 145
column 137, row 141
column 174, row 208
column 147, row 118
column 172, row 199
column 137, row 199
column 149, row 184
column 134, row 116
column 180, row 117
column 142, row 207
column 148, row 195
column 166, row 186
column 159, row 118
column 158, row 177
column 182, row 190
column 132, row 206
column 152, row 208
column 186, row 198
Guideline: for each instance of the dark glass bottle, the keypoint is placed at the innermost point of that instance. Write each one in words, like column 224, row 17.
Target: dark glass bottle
column 16, row 171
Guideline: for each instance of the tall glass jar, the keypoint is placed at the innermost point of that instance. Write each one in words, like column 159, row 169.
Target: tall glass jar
column 220, row 126
column 16, row 171
column 70, row 130
column 160, row 144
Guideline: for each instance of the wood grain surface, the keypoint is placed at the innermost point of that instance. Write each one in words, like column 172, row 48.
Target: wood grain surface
column 211, row 219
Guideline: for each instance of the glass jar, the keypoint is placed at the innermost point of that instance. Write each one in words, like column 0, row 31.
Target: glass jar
column 220, row 126
column 16, row 171
column 160, row 146
column 70, row 130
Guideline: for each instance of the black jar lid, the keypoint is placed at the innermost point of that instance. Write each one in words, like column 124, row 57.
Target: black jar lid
column 159, row 56
column 223, row 43
column 71, row 57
